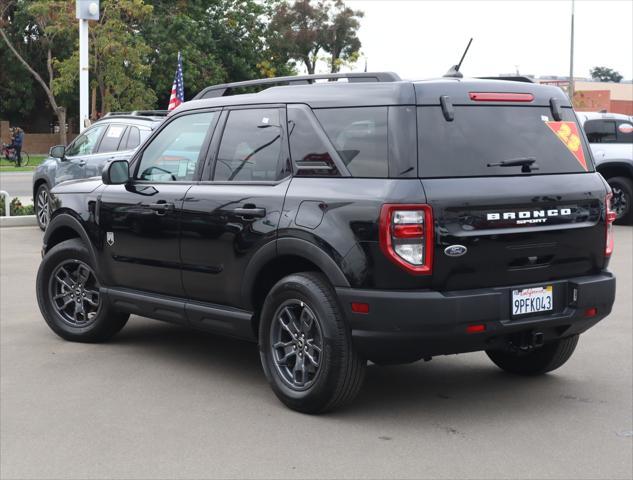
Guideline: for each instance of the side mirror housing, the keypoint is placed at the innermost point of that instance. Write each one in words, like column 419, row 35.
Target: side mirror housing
column 116, row 172
column 58, row 151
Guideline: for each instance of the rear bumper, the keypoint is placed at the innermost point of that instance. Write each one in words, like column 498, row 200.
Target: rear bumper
column 408, row 324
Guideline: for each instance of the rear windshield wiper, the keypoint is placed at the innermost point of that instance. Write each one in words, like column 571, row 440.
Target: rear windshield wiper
column 526, row 164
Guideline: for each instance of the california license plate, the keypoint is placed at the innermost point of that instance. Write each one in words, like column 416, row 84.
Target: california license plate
column 532, row 300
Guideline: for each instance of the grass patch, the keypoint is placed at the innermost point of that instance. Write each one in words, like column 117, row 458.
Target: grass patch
column 8, row 166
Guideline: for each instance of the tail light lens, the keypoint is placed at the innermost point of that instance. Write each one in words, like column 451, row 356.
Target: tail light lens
column 406, row 236
column 611, row 216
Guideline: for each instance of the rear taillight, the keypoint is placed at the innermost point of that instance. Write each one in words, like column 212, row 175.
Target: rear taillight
column 406, row 236
column 611, row 216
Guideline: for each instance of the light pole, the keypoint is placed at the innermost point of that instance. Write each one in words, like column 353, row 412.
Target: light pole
column 571, row 59
column 86, row 10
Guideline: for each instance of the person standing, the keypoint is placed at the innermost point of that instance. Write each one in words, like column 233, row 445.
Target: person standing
column 16, row 144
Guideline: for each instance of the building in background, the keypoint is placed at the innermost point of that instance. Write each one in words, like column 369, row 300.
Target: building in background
column 591, row 96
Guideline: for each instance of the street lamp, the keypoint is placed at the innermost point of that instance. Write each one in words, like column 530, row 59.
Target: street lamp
column 86, row 10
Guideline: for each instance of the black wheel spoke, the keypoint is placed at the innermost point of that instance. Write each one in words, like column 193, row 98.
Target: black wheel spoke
column 296, row 341
column 74, row 293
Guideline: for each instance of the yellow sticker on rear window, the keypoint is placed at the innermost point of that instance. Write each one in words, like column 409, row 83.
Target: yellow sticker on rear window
column 567, row 132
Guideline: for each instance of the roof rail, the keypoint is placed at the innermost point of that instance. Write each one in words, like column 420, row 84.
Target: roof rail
column 138, row 113
column 226, row 89
column 511, row 78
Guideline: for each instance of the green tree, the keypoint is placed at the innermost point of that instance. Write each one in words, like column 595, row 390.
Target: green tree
column 605, row 74
column 304, row 29
column 32, row 31
column 341, row 40
column 300, row 31
column 119, row 58
column 220, row 40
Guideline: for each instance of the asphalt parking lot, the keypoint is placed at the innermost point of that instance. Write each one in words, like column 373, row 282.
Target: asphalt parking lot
column 161, row 401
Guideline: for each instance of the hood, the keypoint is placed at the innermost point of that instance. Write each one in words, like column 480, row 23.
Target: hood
column 84, row 185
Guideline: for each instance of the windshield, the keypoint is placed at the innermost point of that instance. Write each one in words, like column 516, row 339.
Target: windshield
column 481, row 139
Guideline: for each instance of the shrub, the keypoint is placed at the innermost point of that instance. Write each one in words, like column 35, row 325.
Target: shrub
column 16, row 208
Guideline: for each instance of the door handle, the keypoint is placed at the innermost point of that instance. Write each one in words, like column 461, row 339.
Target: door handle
column 252, row 212
column 81, row 163
column 161, row 208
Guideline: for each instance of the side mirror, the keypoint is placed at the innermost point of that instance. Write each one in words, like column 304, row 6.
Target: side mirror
column 116, row 172
column 58, row 151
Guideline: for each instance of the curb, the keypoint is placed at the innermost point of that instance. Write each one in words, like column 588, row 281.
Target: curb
column 18, row 221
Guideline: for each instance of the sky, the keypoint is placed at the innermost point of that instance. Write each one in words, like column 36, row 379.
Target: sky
column 421, row 39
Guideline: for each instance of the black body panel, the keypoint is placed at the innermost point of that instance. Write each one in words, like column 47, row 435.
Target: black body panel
column 205, row 253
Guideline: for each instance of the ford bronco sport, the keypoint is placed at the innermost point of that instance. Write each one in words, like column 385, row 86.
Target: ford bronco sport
column 340, row 222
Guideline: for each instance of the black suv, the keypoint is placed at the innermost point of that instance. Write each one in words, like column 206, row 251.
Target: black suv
column 116, row 135
column 341, row 222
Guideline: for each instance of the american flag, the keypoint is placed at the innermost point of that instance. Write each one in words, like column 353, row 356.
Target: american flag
column 178, row 88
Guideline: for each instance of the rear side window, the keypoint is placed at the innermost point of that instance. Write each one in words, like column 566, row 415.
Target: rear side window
column 251, row 146
column 600, row 131
column 481, row 136
column 625, row 131
column 133, row 139
column 308, row 147
column 112, row 138
column 360, row 138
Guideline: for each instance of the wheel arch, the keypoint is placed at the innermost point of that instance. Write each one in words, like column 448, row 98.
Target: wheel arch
column 615, row 169
column 65, row 226
column 275, row 261
column 37, row 184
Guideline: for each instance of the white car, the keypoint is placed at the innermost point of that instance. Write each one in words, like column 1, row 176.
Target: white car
column 610, row 136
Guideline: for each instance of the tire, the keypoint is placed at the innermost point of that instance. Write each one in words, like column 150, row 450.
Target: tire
column 25, row 159
column 549, row 357
column 42, row 206
column 623, row 198
column 339, row 371
column 87, row 323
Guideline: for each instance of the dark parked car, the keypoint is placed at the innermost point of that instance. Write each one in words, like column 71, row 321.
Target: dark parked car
column 341, row 222
column 117, row 135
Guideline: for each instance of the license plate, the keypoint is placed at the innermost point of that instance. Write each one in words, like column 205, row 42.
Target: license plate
column 532, row 300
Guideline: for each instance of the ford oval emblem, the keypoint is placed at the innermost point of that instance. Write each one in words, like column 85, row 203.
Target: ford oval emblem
column 455, row 250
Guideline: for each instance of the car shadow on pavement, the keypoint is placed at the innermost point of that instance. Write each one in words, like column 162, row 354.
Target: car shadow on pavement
column 447, row 384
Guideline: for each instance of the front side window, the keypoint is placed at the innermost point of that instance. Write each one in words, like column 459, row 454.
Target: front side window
column 360, row 138
column 308, row 148
column 85, row 143
column 600, row 131
column 251, row 146
column 174, row 153
column 112, row 138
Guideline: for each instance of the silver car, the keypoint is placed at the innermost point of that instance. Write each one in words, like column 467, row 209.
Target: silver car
column 611, row 139
column 116, row 135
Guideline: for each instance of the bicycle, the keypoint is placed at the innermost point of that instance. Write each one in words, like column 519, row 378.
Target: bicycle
column 9, row 154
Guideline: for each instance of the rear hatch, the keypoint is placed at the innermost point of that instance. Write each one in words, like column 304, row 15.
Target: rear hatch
column 514, row 183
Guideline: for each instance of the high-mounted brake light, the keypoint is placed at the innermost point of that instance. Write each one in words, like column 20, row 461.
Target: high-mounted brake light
column 500, row 97
column 610, row 218
column 406, row 236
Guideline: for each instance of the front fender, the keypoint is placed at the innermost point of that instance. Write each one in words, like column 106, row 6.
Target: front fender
column 58, row 231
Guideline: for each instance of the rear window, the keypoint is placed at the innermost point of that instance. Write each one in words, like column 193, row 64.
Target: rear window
column 483, row 135
column 360, row 138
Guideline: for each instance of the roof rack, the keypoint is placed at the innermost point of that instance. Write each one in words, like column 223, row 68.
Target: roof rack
column 226, row 89
column 138, row 113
